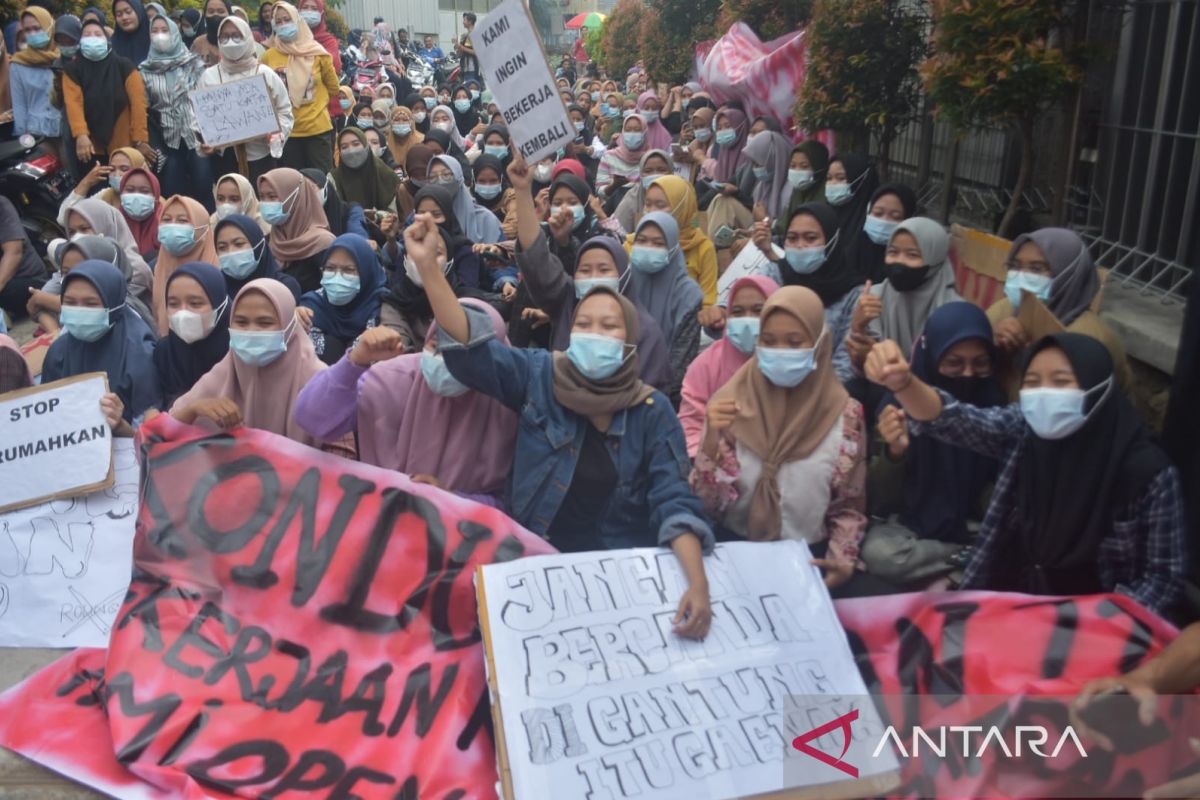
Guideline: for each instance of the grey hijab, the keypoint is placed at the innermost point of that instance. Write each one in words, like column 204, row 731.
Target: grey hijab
column 670, row 295
column 905, row 313
column 631, row 205
column 774, row 152
column 1075, row 280
column 137, row 285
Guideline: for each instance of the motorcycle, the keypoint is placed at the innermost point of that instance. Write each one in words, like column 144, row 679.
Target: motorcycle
column 369, row 76
column 35, row 182
column 447, row 71
column 420, row 73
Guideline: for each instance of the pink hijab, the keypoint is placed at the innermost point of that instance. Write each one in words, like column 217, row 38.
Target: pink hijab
column 657, row 135
column 622, row 151
column 466, row 442
column 732, row 157
column 712, row 369
column 266, row 395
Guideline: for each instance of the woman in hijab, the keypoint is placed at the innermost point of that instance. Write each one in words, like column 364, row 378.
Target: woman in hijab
column 269, row 361
column 352, row 289
column 495, row 142
column 131, row 39
column 361, row 177
column 650, row 109
column 120, row 161
column 206, row 45
column 1054, row 266
column 783, row 452
column 632, row 495
column 105, row 99
column 729, row 199
column 442, row 119
column 299, row 229
column 191, row 25
column 675, row 196
column 198, row 308
column 416, row 175
column 654, row 164
column 311, row 81
column 234, row 195
column 342, row 217
column 621, row 164
column 31, row 78
column 96, row 217
column 141, row 206
column 1085, row 502
column 490, row 189
column 464, row 110
column 94, row 247
column 103, row 334
column 186, row 235
column 770, row 157
column 586, row 148
column 891, row 204
column 243, row 255
column 403, row 135
column 420, row 111
column 478, row 224
column 927, row 492
column 849, row 185
column 169, row 73
column 412, row 416
column 806, row 175
column 713, row 368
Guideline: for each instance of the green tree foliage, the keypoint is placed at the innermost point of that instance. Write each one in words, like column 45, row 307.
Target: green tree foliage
column 620, row 36
column 669, row 38
column 1002, row 62
column 769, row 19
column 862, row 75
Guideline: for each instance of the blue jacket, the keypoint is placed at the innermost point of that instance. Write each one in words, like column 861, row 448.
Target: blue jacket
column 652, row 502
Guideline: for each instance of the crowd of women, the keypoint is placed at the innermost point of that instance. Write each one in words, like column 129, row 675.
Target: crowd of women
column 388, row 280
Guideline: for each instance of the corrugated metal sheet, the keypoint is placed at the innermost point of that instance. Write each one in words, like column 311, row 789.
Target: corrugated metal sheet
column 419, row 16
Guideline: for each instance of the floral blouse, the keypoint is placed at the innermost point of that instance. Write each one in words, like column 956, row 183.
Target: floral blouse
column 845, row 519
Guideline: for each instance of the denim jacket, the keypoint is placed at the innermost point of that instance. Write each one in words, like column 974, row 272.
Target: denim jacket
column 651, row 503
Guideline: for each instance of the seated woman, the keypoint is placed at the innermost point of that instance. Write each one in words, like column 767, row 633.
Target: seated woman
column 571, row 218
column 402, row 135
column 269, row 361
column 806, row 175
column 45, row 304
column 361, row 176
column 849, row 186
column 243, row 255
column 770, row 158
column 411, row 415
column 490, row 190
column 235, row 195
column 932, row 494
column 813, row 258
column 103, row 334
column 784, row 450
column 342, row 217
column 186, row 235
column 728, row 198
column 141, row 205
column 654, row 164
column 299, row 229
column 627, row 466
column 713, row 368
column 1054, row 265
column 555, row 292
column 479, row 224
column 866, row 251
column 198, row 306
column 621, row 163
column 121, row 161
column 416, row 175
column 495, row 142
column 1085, row 501
column 97, row 218
column 675, row 196
column 352, row 288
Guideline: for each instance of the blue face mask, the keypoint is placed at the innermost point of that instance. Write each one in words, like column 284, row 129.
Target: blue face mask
column 598, row 357
column 68, row 50
column 743, row 333
column 345, row 104
column 634, row 139
column 38, row 40
column 402, row 130
column 138, row 206
column 177, row 238
column 800, row 178
column 648, row 259
column 837, row 193
column 114, row 182
column 474, row 94
column 605, row 110
column 726, row 137
column 761, row 173
column 805, row 260
column 585, row 285
column 462, row 106
column 1037, row 285
column 258, row 348
column 500, row 151
column 651, row 117
column 313, row 18
column 785, row 367
column 577, row 212
column 437, row 376
column 86, row 324
column 879, row 230
column 703, row 134
column 94, row 48
column 1057, row 413
column 239, row 264
column 649, row 179
column 273, row 211
column 366, row 123
column 488, row 191
column 287, row 32
column 340, row 289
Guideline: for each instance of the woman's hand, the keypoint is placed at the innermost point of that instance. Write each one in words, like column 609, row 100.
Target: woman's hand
column 519, row 173
column 541, row 203
column 99, row 172
column 304, row 315
column 597, row 208
column 894, row 430
column 1133, row 684
column 1011, row 336
column 694, row 616
column 720, row 415
column 84, row 150
column 712, row 317
column 536, row 317
column 148, row 153
column 508, row 291
column 114, row 410
column 561, row 225
column 868, row 309
column 223, row 412
column 837, row 571
column 390, row 226
column 429, row 480
column 887, row 367
column 375, row 345
column 859, row 345
column 761, row 236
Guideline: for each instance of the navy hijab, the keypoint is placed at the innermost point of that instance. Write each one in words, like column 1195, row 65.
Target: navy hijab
column 267, row 268
column 349, row 321
column 125, row 353
column 180, row 364
column 133, row 46
column 943, row 482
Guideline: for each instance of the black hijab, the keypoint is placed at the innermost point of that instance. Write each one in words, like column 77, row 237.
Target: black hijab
column 449, row 148
column 465, row 121
column 193, row 17
column 103, row 85
column 863, row 255
column 1069, row 489
column 863, row 180
column 833, row 279
column 502, row 132
column 135, row 46
column 335, row 207
column 267, row 268
column 486, row 161
column 180, row 364
column 409, row 102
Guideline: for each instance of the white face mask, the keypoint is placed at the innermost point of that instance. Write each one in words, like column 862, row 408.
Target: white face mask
column 414, row 274
column 192, row 327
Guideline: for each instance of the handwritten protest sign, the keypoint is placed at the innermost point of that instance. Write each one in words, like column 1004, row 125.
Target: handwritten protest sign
column 64, row 565
column 54, row 441
column 515, row 69
column 297, row 626
column 597, row 696
column 235, row 112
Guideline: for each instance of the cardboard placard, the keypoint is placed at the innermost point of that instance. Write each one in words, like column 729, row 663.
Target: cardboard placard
column 54, row 441
column 235, row 112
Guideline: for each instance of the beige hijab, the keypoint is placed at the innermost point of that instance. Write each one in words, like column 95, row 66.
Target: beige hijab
column 782, row 425
column 302, row 56
column 398, row 146
column 204, row 250
column 266, row 395
column 306, row 231
column 249, row 206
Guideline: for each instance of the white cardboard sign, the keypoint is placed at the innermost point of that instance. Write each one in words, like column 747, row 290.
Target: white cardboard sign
column 515, row 69
column 235, row 112
column 54, row 441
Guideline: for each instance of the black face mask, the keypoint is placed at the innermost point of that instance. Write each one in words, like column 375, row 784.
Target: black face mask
column 212, row 27
column 968, row 389
column 905, row 279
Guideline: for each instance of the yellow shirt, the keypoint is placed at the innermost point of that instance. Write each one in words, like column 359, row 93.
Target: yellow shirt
column 312, row 118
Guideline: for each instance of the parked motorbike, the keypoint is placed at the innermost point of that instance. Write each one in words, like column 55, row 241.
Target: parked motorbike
column 368, row 75
column 420, row 73
column 447, row 71
column 35, row 182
